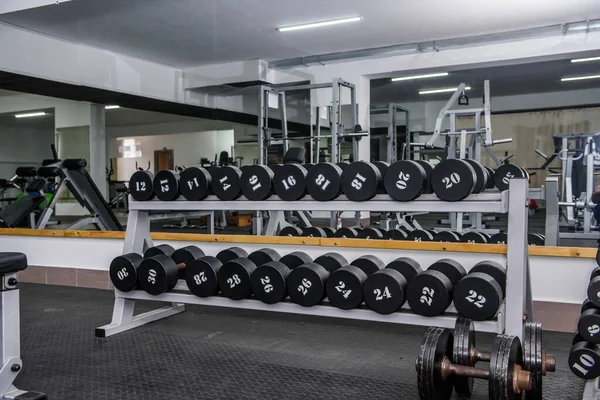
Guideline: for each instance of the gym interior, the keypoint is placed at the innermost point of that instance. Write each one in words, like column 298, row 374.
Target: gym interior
column 299, row 200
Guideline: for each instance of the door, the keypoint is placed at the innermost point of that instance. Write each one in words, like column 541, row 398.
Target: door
column 163, row 159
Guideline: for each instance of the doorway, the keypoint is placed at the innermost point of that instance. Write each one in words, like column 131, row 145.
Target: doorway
column 164, row 160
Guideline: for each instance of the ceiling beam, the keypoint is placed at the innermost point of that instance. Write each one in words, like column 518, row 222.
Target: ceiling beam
column 8, row 6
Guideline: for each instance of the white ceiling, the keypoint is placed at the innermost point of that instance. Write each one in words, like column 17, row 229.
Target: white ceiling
column 195, row 32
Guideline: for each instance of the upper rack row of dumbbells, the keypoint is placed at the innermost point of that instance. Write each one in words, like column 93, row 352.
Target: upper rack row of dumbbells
column 405, row 180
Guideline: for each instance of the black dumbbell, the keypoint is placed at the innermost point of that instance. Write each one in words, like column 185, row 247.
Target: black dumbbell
column 385, row 290
column 593, row 290
column 263, row 256
column 306, row 283
column 405, row 180
column 344, row 286
column 162, row 249
column 296, row 259
column 536, row 239
column 324, row 181
column 289, row 182
column 201, row 276
column 234, row 276
column 491, row 182
column 226, row 182
column 453, row 179
column 430, row 292
column 195, row 183
column 231, row 253
column 395, row 234
column 166, row 185
column 428, row 167
column 123, row 271
column 370, row 233
column 498, row 238
column 474, row 237
column 269, row 282
column 420, row 235
column 349, row 233
column 584, row 358
column 361, row 181
column 482, row 175
column 141, row 185
column 328, row 231
column 589, row 325
column 382, row 166
column 479, row 294
column 159, row 274
column 314, row 231
column 290, row 230
column 257, row 182
column 447, row 237
column 505, row 173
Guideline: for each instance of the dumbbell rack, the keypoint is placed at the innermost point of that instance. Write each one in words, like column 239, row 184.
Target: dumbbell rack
column 518, row 286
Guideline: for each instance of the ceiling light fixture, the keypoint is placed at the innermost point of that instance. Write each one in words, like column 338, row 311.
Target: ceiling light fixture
column 576, row 60
column 111, row 107
column 424, row 76
column 579, row 78
column 452, row 89
column 319, row 24
column 33, row 114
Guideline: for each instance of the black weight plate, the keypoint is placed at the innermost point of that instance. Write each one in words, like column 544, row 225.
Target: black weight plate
column 324, row 181
column 308, row 166
column 452, row 269
column 408, row 267
column 428, row 167
column 165, row 249
column 498, row 238
column 166, row 185
column 343, row 165
column 477, row 296
column 369, row 264
column 584, row 360
column 532, row 358
column 593, row 291
column 313, row 231
column 474, row 237
column 290, row 230
column 420, row 235
column 269, row 282
column 331, row 261
column 588, row 325
column 231, row 253
column 405, row 180
column 226, row 182
column 370, row 233
column 493, row 269
column 186, row 255
column 141, row 185
column 447, row 237
column 382, row 166
column 194, row 183
column 263, row 256
column 154, row 274
column 350, row 233
column 453, row 179
column 295, row 259
column 274, row 167
column 257, row 182
column 429, row 293
column 385, row 291
column 201, row 276
column 306, row 284
column 234, row 278
column 344, row 287
column 481, row 173
column 506, row 352
column 435, row 347
column 361, row 181
column 595, row 272
column 587, row 305
column 395, row 234
column 490, row 182
column 505, row 173
column 328, row 231
column 123, row 271
column 463, row 343
column 534, row 240
column 577, row 338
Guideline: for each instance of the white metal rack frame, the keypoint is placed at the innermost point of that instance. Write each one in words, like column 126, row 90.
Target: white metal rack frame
column 518, row 286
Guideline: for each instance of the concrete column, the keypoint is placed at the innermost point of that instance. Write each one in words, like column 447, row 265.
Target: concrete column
column 98, row 150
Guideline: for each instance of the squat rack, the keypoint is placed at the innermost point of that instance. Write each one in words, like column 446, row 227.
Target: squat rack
column 518, row 284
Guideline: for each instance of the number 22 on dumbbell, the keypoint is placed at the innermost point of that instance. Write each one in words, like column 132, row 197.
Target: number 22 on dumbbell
column 427, row 296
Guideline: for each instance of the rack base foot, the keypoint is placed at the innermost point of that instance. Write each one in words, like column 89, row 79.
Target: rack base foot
column 591, row 390
column 124, row 320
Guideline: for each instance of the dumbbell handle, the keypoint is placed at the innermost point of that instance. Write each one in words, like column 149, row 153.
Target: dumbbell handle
column 521, row 379
column 181, row 265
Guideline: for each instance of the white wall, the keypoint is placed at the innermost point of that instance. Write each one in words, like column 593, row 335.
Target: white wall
column 187, row 148
column 22, row 146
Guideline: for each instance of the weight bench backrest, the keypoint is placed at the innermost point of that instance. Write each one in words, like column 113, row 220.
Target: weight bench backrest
column 294, row 155
column 12, row 262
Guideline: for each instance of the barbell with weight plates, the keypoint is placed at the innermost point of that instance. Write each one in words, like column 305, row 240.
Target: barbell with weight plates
column 361, row 181
column 141, row 185
column 289, row 182
column 159, row 274
column 479, row 294
column 226, row 182
column 195, row 183
column 430, row 292
column 384, row 291
column 344, row 287
column 257, row 182
column 324, row 182
column 405, row 180
column 584, row 358
column 166, row 185
column 306, row 283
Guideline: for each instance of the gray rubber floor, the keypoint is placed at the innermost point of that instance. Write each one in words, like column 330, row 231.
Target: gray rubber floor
column 214, row 353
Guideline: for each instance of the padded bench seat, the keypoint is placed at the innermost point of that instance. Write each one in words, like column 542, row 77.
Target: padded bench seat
column 12, row 262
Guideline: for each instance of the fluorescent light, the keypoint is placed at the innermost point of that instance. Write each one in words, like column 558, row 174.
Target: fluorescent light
column 406, row 78
column 33, row 114
column 452, row 89
column 111, row 107
column 319, row 24
column 585, row 59
column 579, row 78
